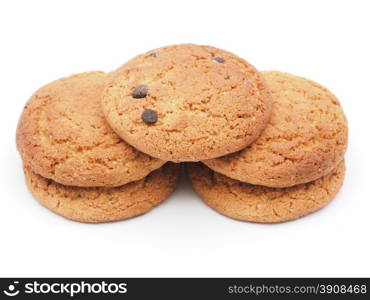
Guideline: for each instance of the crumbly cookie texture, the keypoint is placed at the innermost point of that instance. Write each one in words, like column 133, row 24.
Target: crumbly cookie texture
column 104, row 204
column 187, row 102
column 62, row 135
column 261, row 204
column 305, row 139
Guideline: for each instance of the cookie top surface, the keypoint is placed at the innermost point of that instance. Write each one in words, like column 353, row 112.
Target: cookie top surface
column 104, row 204
column 62, row 134
column 305, row 139
column 262, row 204
column 187, row 102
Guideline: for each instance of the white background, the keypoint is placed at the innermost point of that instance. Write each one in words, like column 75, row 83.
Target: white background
column 327, row 41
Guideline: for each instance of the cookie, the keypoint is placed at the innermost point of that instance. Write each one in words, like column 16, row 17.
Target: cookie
column 262, row 204
column 104, row 204
column 62, row 135
column 305, row 139
column 187, row 102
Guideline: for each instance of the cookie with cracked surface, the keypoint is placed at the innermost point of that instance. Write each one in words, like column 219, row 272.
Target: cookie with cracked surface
column 104, row 204
column 187, row 102
column 62, row 135
column 305, row 139
column 255, row 203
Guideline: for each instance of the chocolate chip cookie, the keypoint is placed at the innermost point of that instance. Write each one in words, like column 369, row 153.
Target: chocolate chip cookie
column 187, row 102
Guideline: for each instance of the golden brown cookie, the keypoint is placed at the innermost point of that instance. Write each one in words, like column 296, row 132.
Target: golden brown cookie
column 104, row 204
column 187, row 102
column 255, row 203
column 62, row 135
column 305, row 139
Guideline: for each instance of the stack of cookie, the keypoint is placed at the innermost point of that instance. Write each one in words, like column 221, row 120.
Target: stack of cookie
column 264, row 147
column 76, row 165
column 295, row 166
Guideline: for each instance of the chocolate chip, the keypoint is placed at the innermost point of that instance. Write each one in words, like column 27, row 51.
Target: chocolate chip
column 149, row 116
column 153, row 54
column 140, row 92
column 213, row 54
column 227, row 77
column 219, row 59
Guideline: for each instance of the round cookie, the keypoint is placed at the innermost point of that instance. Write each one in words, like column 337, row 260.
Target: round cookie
column 255, row 203
column 62, row 135
column 104, row 204
column 305, row 139
column 187, row 102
